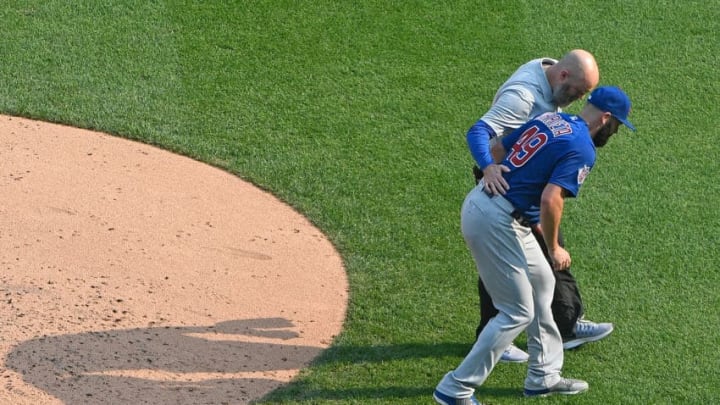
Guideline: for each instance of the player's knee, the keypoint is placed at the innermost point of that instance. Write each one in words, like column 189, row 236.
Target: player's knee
column 523, row 316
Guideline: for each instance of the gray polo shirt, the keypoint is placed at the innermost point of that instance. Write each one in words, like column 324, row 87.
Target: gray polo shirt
column 523, row 96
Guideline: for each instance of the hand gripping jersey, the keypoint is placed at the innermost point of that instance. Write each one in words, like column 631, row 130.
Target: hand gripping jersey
column 553, row 148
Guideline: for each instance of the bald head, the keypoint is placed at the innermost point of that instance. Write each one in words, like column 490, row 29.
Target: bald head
column 573, row 76
column 581, row 62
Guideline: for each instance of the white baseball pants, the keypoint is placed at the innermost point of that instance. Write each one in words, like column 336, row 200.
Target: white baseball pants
column 520, row 281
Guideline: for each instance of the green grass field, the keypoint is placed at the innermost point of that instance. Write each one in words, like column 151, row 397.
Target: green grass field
column 355, row 113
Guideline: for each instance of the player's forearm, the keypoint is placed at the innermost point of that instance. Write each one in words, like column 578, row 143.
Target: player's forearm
column 551, row 209
column 498, row 152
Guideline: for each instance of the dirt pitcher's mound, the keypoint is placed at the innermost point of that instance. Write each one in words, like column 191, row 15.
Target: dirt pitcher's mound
column 131, row 275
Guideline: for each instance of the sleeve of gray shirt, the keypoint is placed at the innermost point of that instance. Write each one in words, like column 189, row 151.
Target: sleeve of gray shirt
column 511, row 108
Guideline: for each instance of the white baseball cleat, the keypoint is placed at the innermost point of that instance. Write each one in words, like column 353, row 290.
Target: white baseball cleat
column 513, row 354
column 566, row 386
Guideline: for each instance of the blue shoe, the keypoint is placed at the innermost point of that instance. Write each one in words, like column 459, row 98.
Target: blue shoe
column 443, row 399
column 566, row 386
column 585, row 332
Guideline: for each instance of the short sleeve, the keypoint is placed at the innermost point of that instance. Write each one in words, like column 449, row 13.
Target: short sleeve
column 511, row 109
column 572, row 170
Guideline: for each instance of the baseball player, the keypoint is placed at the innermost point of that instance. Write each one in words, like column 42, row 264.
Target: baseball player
column 543, row 162
column 539, row 86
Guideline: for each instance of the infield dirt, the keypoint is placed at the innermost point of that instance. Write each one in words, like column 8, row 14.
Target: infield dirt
column 131, row 275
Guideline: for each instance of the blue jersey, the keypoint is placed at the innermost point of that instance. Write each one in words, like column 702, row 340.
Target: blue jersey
column 552, row 148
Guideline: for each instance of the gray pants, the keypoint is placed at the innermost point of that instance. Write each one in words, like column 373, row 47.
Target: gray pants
column 519, row 279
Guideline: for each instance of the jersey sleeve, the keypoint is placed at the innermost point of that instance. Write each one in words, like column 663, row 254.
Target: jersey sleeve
column 572, row 170
column 511, row 108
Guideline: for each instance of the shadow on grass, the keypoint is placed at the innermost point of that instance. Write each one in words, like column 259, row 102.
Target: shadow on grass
column 420, row 395
column 305, row 391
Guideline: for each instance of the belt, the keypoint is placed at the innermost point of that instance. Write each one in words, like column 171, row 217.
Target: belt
column 517, row 215
column 481, row 183
column 521, row 219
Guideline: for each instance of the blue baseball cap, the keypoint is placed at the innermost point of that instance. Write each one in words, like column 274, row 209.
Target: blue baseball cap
column 613, row 100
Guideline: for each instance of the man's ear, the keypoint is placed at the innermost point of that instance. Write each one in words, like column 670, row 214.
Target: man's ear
column 606, row 117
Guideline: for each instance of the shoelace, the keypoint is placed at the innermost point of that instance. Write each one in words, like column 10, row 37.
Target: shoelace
column 584, row 328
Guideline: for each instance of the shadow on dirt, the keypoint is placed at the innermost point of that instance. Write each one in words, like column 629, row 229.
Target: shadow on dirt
column 227, row 363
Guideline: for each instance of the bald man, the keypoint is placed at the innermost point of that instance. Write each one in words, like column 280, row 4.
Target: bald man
column 539, row 86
